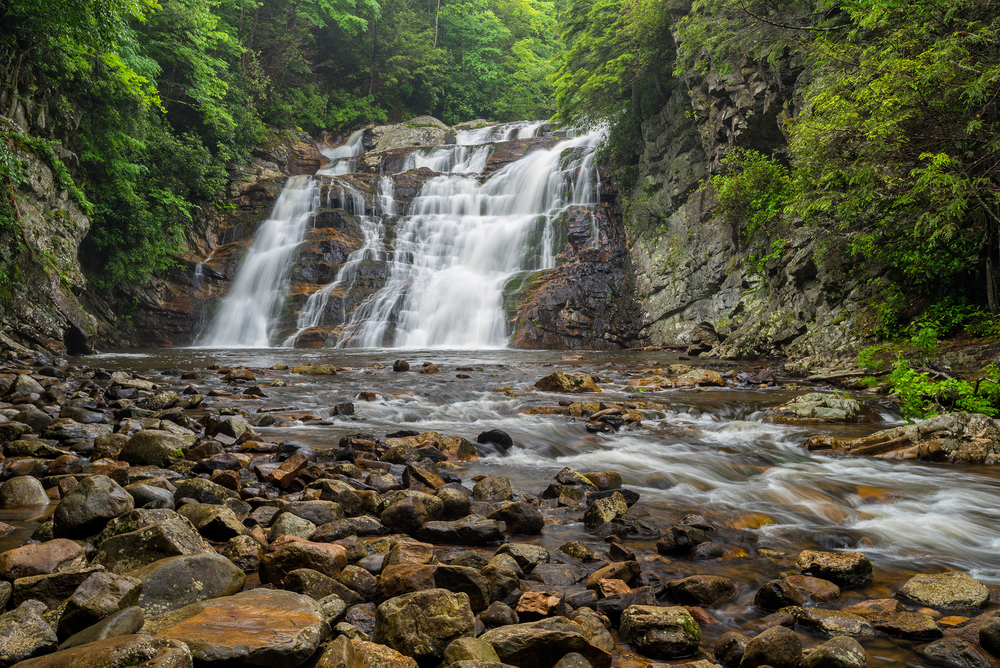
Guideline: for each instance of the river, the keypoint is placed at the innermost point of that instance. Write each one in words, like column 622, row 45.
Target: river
column 703, row 451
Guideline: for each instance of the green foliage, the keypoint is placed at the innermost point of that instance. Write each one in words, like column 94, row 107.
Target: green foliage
column 751, row 193
column 921, row 396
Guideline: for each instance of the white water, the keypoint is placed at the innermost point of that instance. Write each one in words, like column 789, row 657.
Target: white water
column 459, row 244
column 252, row 304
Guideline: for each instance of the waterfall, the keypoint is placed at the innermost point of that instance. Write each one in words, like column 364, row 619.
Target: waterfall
column 460, row 244
column 456, row 245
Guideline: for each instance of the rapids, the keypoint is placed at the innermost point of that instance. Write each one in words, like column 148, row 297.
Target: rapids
column 704, row 451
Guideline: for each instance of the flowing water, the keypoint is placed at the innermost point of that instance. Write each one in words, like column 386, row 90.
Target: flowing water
column 704, row 451
column 454, row 249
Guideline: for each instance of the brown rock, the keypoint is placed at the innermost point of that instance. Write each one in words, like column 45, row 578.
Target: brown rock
column 55, row 556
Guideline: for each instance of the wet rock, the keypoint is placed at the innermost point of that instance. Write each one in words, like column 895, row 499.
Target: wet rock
column 498, row 614
column 680, row 539
column 89, row 506
column 700, row 589
column 470, row 530
column 663, row 633
column 543, row 643
column 172, row 583
column 560, row 381
column 118, row 652
column 216, row 523
column 906, row 625
column 469, row 649
column 614, row 606
column 316, row 370
column 604, row 510
column 846, row 569
column 287, row 524
column 245, row 552
column 147, row 496
column 122, row 623
column 405, row 516
column 380, row 656
column 493, row 488
column 352, row 526
column 538, row 604
column 527, row 555
column 261, row 627
column 989, row 636
column 203, row 491
column 496, row 437
column 520, row 517
column 315, row 585
column 400, row 365
column 132, row 550
column 777, row 647
column 832, row 622
column 578, row 550
column 100, row 595
column 424, row 623
column 626, row 571
column 24, row 633
column 289, row 554
column 456, row 503
column 777, row 594
column 840, row 652
column 341, row 654
column 821, row 407
column 22, row 491
column 952, row 591
column 560, row 575
column 730, row 648
column 54, row 556
column 52, row 590
column 154, row 447
column 958, row 653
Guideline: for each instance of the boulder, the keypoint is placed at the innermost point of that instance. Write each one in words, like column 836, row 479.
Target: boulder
column 341, row 654
column 777, row 647
column 22, row 491
column 52, row 590
column 493, row 488
column 154, row 447
column 89, row 506
column 260, row 627
column 662, row 633
column 122, row 623
column 840, row 652
column 560, row 381
column 204, row 491
column 424, row 623
column 117, row 652
column 958, row 653
column 605, row 510
column 172, row 583
column 380, row 656
column 289, row 554
column 168, row 538
column 700, row 589
column 845, row 569
column 730, row 647
column 470, row 530
column 951, row 591
column 100, row 595
column 216, row 523
column 822, row 408
column 832, row 622
column 543, row 643
column 54, row 556
column 527, row 555
column 24, row 634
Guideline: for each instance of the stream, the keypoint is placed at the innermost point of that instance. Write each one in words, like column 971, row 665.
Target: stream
column 705, row 451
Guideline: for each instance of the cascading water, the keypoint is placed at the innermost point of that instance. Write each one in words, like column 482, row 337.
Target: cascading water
column 456, row 248
column 247, row 313
column 463, row 241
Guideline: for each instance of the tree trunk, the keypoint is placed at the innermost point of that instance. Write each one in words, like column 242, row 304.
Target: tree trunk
column 371, row 80
column 436, row 15
column 992, row 298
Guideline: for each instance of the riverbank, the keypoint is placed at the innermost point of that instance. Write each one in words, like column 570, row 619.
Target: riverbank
column 697, row 449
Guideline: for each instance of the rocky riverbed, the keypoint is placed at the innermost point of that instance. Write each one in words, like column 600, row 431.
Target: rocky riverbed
column 243, row 514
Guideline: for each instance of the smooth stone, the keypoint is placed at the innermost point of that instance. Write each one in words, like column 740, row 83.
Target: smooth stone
column 22, row 491
column 424, row 623
column 777, row 647
column 543, row 643
column 122, row 623
column 954, row 590
column 89, row 506
column 660, row 632
column 840, row 652
column 172, row 583
column 845, row 569
column 53, row 556
column 100, row 595
column 123, row 651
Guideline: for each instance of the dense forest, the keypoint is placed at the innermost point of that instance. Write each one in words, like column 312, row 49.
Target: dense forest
column 892, row 127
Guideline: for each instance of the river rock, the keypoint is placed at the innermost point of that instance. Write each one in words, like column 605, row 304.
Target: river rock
column 122, row 623
column 22, row 491
column 154, row 447
column 832, row 622
column 989, row 636
column 287, row 524
column 204, row 491
column 24, row 633
column 100, row 595
column 958, row 437
column 846, row 569
column 662, row 633
column 730, row 648
column 54, row 556
column 470, row 530
column 526, row 555
column 543, row 643
column 958, row 653
column 700, row 589
column 560, row 381
column 777, row 647
column 951, row 591
column 10, row 431
column 290, row 553
column 405, row 516
column 626, row 571
column 380, row 656
column 493, row 488
column 469, row 649
column 260, row 627
column 172, row 583
column 117, row 652
column 34, row 418
column 341, row 654
column 216, row 523
column 605, row 510
column 318, row 586
column 680, row 539
column 822, row 407
column 50, row 589
column 906, row 625
column 840, row 652
column 89, row 506
column 132, row 550
column 520, row 517
column 424, row 623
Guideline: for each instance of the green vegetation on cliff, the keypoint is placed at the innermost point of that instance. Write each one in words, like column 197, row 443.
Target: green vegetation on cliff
column 157, row 99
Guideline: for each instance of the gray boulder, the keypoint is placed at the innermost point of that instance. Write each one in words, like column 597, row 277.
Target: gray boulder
column 89, row 506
